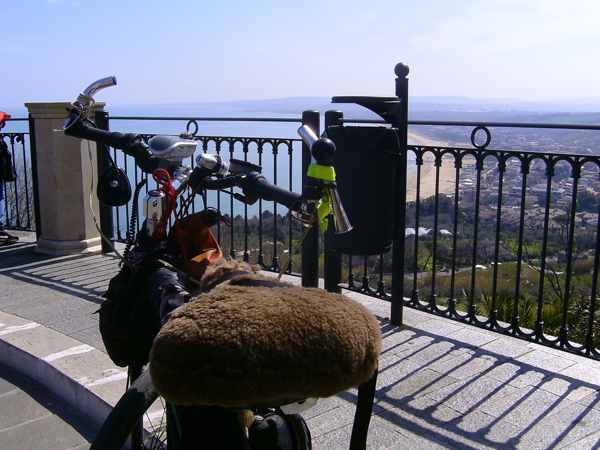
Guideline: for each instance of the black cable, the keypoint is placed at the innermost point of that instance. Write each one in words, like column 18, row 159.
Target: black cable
column 133, row 219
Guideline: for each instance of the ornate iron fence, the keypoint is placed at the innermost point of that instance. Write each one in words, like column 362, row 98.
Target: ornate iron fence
column 513, row 247
column 19, row 206
column 506, row 240
column 260, row 233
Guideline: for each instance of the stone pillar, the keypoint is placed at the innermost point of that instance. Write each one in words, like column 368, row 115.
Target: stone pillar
column 64, row 177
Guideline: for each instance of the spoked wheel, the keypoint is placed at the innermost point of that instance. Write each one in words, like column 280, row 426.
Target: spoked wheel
column 140, row 402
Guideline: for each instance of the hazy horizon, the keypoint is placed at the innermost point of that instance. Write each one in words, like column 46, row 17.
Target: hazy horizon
column 420, row 103
column 415, row 99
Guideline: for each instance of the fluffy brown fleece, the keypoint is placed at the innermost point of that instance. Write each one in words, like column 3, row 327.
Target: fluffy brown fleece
column 239, row 345
column 222, row 267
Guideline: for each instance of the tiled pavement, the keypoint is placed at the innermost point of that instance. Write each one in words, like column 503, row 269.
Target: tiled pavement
column 33, row 418
column 442, row 384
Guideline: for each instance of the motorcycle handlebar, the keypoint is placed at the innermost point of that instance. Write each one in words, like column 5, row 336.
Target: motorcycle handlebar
column 256, row 183
column 256, row 186
column 113, row 139
column 130, row 143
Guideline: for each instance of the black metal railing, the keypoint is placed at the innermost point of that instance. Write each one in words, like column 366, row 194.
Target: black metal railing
column 506, row 240
column 19, row 205
column 260, row 233
column 517, row 259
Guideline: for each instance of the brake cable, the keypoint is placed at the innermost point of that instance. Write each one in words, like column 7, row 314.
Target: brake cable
column 307, row 225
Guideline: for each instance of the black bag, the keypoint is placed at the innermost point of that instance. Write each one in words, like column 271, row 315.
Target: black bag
column 217, row 428
column 129, row 319
column 7, row 169
column 278, row 431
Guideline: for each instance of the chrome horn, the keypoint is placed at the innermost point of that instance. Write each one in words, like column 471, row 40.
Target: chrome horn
column 340, row 219
column 323, row 174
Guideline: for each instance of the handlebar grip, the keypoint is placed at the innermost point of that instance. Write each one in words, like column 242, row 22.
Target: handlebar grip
column 255, row 186
column 255, row 183
column 130, row 143
column 111, row 138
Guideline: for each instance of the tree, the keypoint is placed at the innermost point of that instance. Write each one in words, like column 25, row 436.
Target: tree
column 579, row 313
column 464, row 251
column 409, row 253
column 445, row 205
column 555, row 267
column 443, row 251
column 587, row 202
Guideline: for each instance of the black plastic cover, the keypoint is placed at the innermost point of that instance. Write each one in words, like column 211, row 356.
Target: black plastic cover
column 366, row 164
column 113, row 188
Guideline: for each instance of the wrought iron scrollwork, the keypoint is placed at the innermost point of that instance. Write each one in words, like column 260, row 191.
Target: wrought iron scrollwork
column 488, row 137
column 189, row 124
column 505, row 161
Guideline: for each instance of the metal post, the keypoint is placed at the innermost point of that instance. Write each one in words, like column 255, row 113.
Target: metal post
column 34, row 175
column 137, row 434
column 332, row 259
column 106, row 212
column 310, row 246
column 396, row 314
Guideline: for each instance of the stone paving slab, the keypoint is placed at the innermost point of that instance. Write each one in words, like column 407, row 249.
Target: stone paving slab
column 442, row 384
column 33, row 418
column 78, row 373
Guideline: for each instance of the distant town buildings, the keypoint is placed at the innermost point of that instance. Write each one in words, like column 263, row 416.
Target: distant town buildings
column 561, row 192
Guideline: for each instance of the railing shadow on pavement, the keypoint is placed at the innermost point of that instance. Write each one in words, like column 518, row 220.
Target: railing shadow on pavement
column 83, row 276
column 447, row 391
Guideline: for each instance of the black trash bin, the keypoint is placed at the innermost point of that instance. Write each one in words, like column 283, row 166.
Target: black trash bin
column 366, row 165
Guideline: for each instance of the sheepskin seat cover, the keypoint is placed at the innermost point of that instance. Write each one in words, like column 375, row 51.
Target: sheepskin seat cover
column 241, row 345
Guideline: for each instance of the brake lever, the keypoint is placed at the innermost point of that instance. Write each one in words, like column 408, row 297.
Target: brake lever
column 79, row 109
column 240, row 197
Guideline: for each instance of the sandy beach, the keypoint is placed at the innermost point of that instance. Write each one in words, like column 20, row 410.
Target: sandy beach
column 428, row 172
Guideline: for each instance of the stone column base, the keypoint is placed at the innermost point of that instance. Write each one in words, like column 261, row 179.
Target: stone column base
column 64, row 176
column 57, row 248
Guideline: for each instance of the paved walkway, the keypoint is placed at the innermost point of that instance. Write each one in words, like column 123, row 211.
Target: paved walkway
column 32, row 417
column 442, row 384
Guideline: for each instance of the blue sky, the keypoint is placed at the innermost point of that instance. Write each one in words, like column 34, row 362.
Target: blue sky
column 193, row 51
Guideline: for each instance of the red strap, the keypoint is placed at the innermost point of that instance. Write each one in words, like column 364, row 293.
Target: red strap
column 163, row 179
column 3, row 117
column 221, row 217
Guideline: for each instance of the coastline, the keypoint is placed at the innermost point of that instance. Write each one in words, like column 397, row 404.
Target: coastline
column 428, row 172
